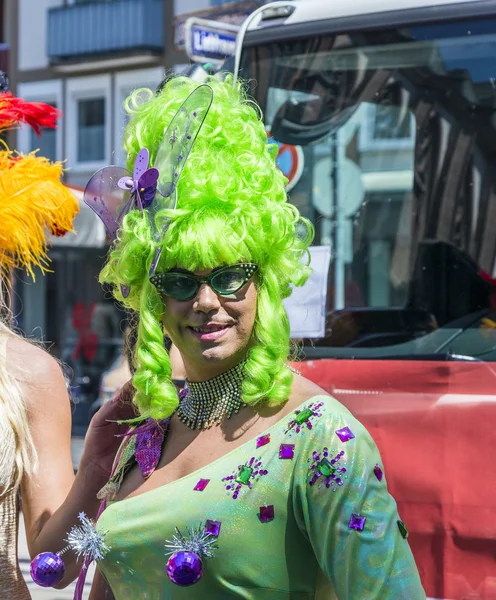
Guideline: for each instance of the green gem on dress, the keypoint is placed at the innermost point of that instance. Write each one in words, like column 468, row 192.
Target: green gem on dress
column 304, row 418
column 327, row 469
column 403, row 529
column 244, row 477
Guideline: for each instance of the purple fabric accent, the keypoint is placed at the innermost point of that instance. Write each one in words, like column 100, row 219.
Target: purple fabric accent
column 201, row 485
column 267, row 513
column 263, row 440
column 357, row 522
column 212, row 527
column 378, row 472
column 286, row 450
column 149, row 449
column 345, row 434
column 184, row 568
column 101, row 508
column 78, row 591
column 47, row 569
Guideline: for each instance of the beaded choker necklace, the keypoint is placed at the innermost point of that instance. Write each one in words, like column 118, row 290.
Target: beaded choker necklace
column 206, row 403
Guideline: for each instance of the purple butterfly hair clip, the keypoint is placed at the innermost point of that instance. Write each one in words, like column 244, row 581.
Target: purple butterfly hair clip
column 142, row 185
column 114, row 191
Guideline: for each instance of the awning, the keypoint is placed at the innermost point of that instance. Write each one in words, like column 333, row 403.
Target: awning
column 89, row 230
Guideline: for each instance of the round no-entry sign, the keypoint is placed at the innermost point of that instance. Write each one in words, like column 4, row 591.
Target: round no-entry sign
column 290, row 160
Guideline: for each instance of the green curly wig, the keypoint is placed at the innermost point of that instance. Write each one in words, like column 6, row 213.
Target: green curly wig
column 232, row 207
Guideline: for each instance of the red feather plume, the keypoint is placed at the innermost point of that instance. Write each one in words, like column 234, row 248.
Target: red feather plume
column 15, row 110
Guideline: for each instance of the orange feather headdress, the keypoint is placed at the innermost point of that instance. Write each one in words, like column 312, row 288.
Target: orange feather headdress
column 33, row 199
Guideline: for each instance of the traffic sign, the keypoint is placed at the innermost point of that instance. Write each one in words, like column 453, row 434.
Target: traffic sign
column 290, row 159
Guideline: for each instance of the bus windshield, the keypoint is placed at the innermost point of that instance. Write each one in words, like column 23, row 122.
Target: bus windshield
column 394, row 133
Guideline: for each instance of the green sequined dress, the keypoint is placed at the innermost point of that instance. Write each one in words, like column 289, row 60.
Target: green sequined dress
column 304, row 513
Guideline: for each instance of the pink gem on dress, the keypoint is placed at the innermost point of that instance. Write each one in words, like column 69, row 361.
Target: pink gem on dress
column 263, row 440
column 212, row 527
column 286, row 451
column 201, row 485
column 345, row 434
column 266, row 513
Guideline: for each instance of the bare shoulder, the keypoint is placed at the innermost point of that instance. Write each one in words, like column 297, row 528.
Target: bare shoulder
column 32, row 366
column 303, row 389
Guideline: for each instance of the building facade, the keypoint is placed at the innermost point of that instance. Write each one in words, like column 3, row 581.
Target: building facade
column 85, row 57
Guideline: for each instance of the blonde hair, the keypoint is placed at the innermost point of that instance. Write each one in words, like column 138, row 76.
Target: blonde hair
column 20, row 457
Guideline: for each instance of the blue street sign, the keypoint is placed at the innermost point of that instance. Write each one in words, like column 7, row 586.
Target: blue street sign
column 213, row 44
column 209, row 39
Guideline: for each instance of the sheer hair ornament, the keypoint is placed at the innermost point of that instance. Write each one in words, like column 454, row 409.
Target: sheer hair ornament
column 112, row 192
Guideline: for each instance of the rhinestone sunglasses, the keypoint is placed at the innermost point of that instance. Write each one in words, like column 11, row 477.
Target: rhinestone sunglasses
column 224, row 281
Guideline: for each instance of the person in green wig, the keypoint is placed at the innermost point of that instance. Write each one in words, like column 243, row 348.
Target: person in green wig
column 253, row 482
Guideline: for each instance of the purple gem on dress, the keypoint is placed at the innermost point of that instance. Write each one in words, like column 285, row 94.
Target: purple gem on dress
column 357, row 522
column 345, row 434
column 184, row 568
column 266, row 513
column 212, row 527
column 263, row 440
column 47, row 569
column 286, row 450
column 378, row 472
column 201, row 485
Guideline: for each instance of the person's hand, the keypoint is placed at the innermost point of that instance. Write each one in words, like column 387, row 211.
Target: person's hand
column 101, row 443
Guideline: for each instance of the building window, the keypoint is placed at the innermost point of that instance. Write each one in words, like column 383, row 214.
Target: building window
column 46, row 143
column 91, row 130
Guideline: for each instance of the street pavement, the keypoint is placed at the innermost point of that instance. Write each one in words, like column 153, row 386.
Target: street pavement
column 39, row 593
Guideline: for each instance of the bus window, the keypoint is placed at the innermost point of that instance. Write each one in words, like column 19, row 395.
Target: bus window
column 396, row 130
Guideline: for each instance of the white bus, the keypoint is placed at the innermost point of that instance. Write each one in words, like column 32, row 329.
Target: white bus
column 385, row 113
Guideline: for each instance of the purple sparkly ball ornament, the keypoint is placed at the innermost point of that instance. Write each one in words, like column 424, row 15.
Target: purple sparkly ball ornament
column 184, row 568
column 47, row 569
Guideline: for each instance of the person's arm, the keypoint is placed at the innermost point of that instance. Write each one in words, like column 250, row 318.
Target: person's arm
column 100, row 589
column 52, row 498
column 348, row 515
